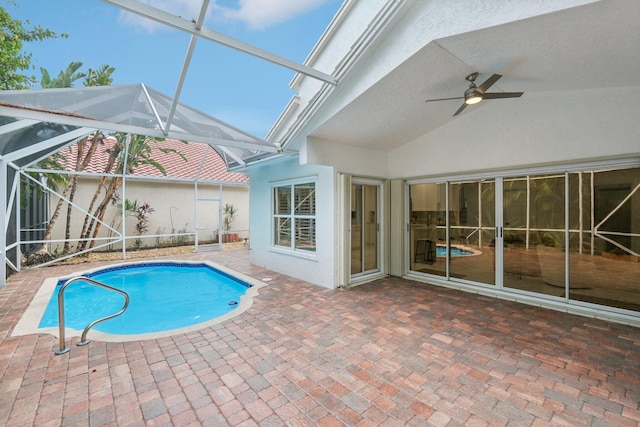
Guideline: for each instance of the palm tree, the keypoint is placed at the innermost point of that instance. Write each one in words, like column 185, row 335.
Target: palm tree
column 139, row 153
column 82, row 160
column 54, row 180
column 114, row 153
column 100, row 77
column 66, row 78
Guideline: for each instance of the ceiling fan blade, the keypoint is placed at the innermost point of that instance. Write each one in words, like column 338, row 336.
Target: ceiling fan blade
column 462, row 107
column 498, row 95
column 444, row 99
column 489, row 82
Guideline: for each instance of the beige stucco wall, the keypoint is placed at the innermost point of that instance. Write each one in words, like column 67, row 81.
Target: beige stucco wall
column 174, row 209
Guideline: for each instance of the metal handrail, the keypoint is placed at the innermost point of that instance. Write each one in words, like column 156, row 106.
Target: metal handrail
column 83, row 339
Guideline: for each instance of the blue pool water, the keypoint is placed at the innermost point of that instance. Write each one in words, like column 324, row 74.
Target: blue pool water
column 455, row 251
column 163, row 296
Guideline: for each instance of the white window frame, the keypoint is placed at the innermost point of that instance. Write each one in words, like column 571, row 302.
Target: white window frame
column 293, row 216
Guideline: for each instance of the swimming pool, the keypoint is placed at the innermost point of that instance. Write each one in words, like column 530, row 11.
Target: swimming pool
column 165, row 298
column 441, row 251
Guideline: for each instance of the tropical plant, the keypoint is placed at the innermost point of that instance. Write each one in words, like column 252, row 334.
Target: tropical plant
column 86, row 148
column 13, row 61
column 140, row 153
column 113, row 152
column 82, row 161
column 53, row 180
column 132, row 208
column 65, row 77
column 142, row 216
column 229, row 213
column 100, row 77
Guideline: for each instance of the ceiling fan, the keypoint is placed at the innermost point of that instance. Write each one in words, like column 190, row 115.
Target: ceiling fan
column 475, row 94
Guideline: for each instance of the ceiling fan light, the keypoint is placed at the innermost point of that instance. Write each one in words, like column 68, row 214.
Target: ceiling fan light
column 472, row 96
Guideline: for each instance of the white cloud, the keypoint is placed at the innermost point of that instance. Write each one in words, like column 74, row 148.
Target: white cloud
column 257, row 14
column 260, row 14
column 187, row 9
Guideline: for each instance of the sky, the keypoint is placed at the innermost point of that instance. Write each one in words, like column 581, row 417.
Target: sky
column 244, row 91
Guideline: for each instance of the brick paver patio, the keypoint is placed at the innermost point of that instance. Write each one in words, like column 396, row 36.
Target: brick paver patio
column 392, row 353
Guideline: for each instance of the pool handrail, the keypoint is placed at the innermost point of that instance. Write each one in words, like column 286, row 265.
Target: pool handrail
column 83, row 339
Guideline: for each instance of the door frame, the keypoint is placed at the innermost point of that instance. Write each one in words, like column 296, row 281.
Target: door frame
column 343, row 229
column 378, row 217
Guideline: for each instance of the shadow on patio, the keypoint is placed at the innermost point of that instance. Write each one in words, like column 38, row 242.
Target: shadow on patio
column 392, row 352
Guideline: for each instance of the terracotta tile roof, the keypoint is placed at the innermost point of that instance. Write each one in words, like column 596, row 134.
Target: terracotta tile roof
column 213, row 169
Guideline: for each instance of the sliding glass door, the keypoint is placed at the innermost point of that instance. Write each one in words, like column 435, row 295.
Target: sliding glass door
column 472, row 231
column 534, row 233
column 570, row 236
column 604, row 237
column 428, row 228
column 457, row 241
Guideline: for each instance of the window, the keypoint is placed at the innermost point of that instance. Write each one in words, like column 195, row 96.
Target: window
column 294, row 216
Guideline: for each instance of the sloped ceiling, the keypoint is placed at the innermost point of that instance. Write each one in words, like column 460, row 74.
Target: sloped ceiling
column 587, row 47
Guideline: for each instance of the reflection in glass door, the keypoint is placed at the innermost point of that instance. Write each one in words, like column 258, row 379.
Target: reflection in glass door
column 472, row 231
column 461, row 244
column 534, row 234
column 365, row 228
column 572, row 236
column 428, row 228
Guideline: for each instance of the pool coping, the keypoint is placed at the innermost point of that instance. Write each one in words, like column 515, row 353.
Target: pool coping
column 28, row 323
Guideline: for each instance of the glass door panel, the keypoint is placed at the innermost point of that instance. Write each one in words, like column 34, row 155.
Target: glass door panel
column 370, row 227
column 604, row 260
column 356, row 229
column 364, row 229
column 472, row 231
column 428, row 228
column 534, row 234
column 518, row 232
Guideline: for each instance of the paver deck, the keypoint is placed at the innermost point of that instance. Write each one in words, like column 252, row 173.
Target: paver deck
column 392, row 352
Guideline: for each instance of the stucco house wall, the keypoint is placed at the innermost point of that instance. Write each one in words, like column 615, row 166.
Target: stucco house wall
column 174, row 206
column 177, row 206
column 390, row 52
column 318, row 267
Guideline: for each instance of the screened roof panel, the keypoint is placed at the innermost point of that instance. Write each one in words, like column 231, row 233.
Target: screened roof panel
column 128, row 108
column 22, row 140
